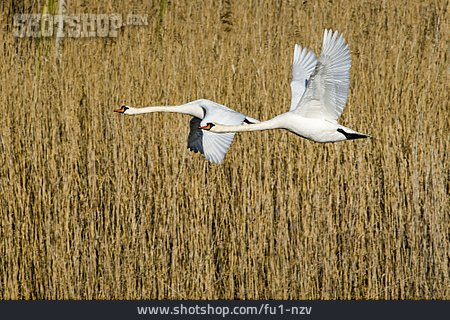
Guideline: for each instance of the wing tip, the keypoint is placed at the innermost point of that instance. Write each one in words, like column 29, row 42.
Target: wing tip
column 303, row 55
column 334, row 43
column 297, row 53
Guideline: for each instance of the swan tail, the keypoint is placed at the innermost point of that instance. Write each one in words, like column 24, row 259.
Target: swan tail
column 249, row 120
column 352, row 135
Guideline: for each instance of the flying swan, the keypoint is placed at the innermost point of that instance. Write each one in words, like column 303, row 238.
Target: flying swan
column 212, row 145
column 319, row 93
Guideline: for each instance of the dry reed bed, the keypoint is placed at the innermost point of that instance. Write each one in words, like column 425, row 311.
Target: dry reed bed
column 93, row 205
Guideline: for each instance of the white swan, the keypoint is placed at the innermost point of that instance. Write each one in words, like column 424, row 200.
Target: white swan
column 212, row 145
column 314, row 111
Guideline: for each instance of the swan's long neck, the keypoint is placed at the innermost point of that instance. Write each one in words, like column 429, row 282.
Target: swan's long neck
column 184, row 108
column 265, row 125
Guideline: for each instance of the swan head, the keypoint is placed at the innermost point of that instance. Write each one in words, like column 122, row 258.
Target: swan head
column 122, row 109
column 207, row 127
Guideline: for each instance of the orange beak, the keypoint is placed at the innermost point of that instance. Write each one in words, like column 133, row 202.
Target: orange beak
column 207, row 127
column 120, row 110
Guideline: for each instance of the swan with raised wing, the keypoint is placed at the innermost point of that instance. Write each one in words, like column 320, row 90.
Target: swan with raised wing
column 318, row 98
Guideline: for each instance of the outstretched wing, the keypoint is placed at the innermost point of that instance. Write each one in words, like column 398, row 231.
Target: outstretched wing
column 327, row 89
column 216, row 145
column 302, row 68
column 213, row 146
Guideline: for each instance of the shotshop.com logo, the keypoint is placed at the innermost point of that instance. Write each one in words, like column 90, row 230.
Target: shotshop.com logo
column 74, row 25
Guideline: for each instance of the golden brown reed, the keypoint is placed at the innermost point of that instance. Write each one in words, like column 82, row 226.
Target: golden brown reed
column 94, row 205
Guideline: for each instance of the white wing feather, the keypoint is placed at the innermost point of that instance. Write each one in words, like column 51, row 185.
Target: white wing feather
column 216, row 145
column 302, row 68
column 327, row 89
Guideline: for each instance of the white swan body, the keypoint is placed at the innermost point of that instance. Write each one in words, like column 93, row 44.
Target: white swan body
column 319, row 93
column 317, row 130
column 212, row 145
